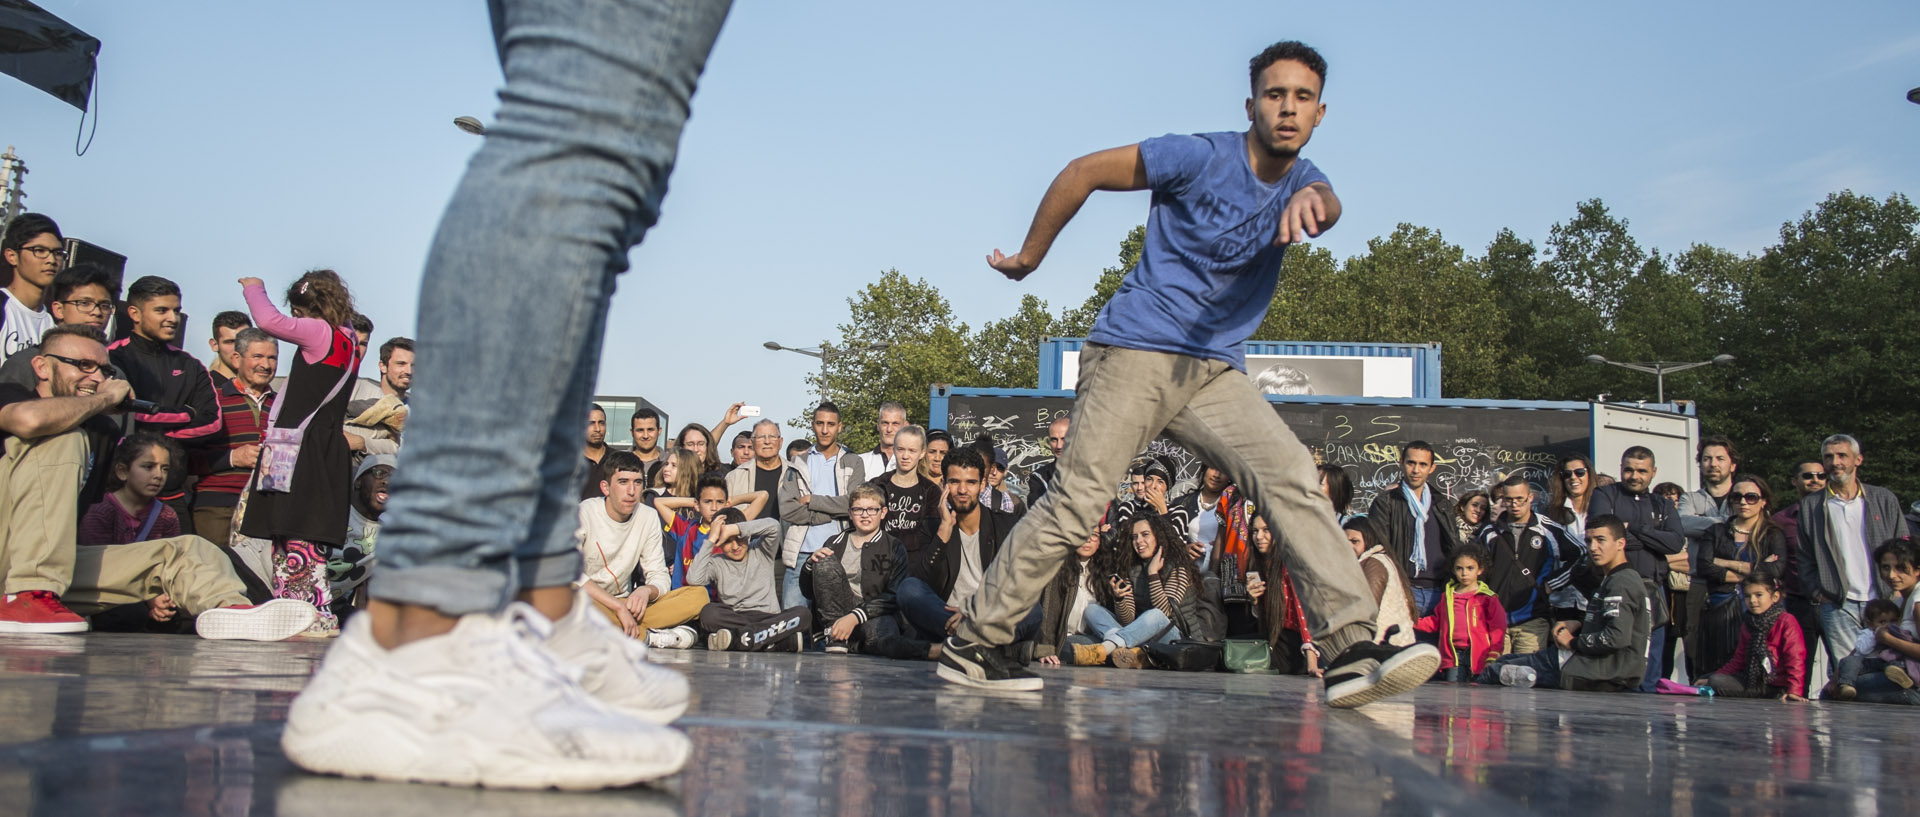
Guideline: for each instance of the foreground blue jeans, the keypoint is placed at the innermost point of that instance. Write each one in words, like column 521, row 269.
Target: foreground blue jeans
column 513, row 305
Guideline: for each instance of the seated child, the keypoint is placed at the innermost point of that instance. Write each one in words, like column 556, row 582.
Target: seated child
column 1606, row 651
column 738, row 565
column 1886, row 660
column 1469, row 620
column 1769, row 661
column 131, row 553
column 852, row 577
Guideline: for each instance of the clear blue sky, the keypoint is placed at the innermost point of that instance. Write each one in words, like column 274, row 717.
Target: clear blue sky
column 831, row 141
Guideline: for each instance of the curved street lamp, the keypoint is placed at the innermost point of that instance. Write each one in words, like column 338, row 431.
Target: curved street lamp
column 1661, row 368
column 1913, row 96
column 470, row 125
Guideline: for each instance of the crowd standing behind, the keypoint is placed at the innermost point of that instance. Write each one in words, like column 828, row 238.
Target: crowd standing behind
column 152, row 493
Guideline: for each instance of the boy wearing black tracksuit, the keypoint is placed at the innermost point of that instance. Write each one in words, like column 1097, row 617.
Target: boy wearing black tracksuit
column 1607, row 650
column 188, row 409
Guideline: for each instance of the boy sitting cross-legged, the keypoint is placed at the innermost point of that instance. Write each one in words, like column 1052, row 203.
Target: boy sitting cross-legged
column 738, row 563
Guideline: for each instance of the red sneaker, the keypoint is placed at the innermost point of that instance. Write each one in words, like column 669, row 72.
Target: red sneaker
column 38, row 611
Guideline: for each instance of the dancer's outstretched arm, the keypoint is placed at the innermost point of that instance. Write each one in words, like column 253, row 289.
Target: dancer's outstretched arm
column 1116, row 169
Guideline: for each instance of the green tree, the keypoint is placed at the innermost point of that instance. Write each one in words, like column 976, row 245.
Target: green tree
column 1077, row 322
column 1829, row 342
column 900, row 336
column 1006, row 352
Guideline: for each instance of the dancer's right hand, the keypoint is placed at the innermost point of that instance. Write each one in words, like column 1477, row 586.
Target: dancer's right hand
column 1014, row 266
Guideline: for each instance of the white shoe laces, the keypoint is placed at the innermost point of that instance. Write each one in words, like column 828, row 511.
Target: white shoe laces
column 524, row 634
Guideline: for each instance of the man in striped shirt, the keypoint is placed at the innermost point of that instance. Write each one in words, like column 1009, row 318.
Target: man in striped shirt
column 244, row 402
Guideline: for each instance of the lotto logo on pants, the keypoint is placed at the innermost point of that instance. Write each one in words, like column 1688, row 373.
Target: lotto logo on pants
column 779, row 628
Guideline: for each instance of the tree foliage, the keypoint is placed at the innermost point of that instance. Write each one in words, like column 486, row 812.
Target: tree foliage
column 1822, row 324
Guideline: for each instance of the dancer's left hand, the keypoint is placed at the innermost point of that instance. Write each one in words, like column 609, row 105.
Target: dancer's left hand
column 1014, row 266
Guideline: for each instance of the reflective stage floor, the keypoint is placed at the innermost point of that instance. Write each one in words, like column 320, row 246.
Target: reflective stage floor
column 161, row 725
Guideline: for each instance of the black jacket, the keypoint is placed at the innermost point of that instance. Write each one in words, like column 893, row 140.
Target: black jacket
column 883, row 565
column 939, row 565
column 1610, row 652
column 1392, row 518
column 1040, row 481
column 189, row 411
column 1526, row 570
column 1720, row 544
column 1653, row 528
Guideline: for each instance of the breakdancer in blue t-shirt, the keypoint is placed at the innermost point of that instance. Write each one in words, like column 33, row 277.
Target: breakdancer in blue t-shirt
column 1166, row 356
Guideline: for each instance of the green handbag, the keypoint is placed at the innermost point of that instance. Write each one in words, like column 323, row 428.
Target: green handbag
column 1250, row 655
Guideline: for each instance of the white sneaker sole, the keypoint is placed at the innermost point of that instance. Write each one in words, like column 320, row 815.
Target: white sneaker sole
column 276, row 620
column 378, row 747
column 955, row 676
column 1402, row 673
column 42, row 628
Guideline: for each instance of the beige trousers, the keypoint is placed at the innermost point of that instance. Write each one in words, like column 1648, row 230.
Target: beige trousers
column 40, row 511
column 191, row 570
column 1124, row 399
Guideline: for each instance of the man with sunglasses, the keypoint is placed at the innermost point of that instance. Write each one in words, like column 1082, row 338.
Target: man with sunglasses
column 80, row 295
column 33, row 251
column 1808, row 477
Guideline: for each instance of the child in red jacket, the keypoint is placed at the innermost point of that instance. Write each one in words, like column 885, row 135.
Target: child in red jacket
column 1469, row 619
column 1770, row 659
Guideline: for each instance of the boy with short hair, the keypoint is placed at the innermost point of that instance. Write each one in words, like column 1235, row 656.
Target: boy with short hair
column 1607, row 650
column 614, row 543
column 739, row 567
column 689, row 539
column 852, row 577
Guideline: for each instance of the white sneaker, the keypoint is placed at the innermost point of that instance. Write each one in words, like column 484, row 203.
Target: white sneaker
column 484, row 705
column 675, row 638
column 1517, row 676
column 615, row 668
column 274, row 620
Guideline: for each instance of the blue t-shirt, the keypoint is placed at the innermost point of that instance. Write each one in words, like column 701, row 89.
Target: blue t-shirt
column 1208, row 270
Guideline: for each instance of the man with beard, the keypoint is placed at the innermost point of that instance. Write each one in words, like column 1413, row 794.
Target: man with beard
column 1167, row 354
column 353, row 563
column 1839, row 529
column 58, row 437
column 377, row 420
column 1653, row 535
column 594, row 451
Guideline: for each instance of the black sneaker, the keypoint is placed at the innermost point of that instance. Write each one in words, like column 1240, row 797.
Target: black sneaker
column 1370, row 671
column 836, row 646
column 978, row 665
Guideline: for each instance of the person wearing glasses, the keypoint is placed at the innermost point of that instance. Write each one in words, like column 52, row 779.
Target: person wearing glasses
column 851, row 579
column 33, row 252
column 1530, row 558
column 81, row 294
column 1724, row 557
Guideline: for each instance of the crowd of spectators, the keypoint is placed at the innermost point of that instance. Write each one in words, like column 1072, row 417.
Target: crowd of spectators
column 146, row 491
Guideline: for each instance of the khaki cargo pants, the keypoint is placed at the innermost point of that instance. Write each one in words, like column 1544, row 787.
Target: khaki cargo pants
column 1123, row 400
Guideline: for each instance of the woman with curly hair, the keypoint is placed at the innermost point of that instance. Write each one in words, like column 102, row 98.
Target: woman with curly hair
column 1152, row 601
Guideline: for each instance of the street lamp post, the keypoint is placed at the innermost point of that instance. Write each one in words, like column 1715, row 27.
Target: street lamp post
column 470, row 125
column 1661, row 368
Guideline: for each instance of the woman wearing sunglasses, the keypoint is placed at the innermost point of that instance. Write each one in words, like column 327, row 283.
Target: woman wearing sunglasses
column 1573, row 486
column 1748, row 541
